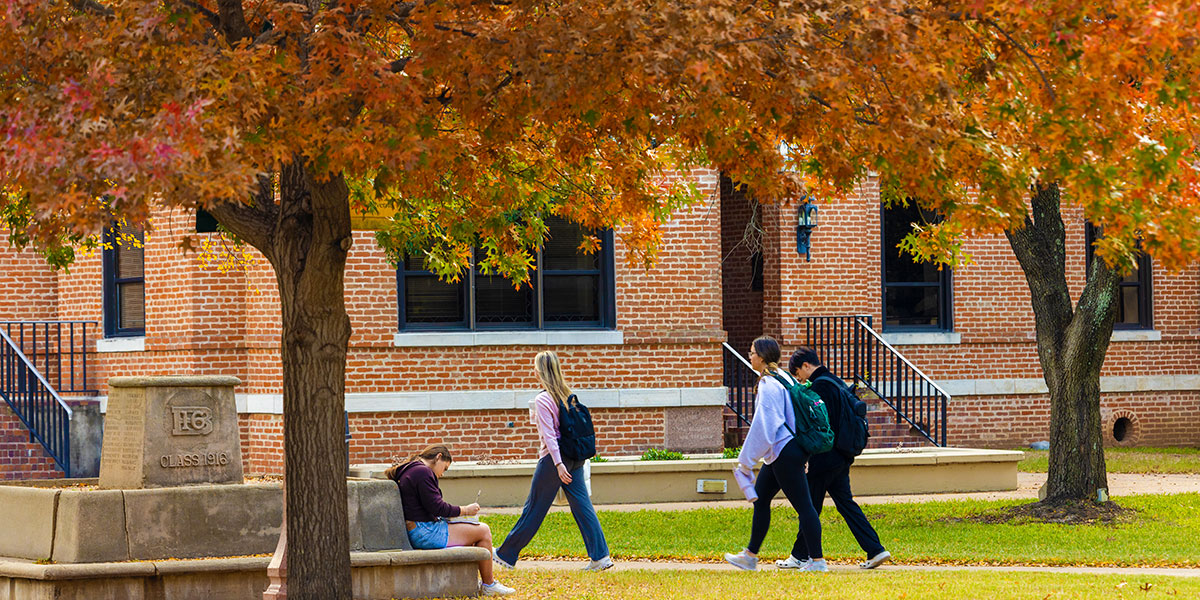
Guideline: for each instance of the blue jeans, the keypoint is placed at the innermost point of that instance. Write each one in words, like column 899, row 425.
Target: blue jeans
column 541, row 495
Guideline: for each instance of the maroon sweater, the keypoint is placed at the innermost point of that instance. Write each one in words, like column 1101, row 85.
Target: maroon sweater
column 420, row 495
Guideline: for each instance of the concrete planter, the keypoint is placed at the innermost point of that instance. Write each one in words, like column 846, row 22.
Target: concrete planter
column 876, row 472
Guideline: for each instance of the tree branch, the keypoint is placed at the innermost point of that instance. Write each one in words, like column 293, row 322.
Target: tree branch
column 212, row 17
column 91, row 7
column 1032, row 61
column 233, row 21
column 253, row 222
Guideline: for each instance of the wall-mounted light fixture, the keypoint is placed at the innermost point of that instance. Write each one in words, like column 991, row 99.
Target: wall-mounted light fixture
column 807, row 223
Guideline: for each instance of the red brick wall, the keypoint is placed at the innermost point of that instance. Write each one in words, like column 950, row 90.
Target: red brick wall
column 30, row 285
column 20, row 458
column 992, row 313
column 209, row 321
column 1157, row 419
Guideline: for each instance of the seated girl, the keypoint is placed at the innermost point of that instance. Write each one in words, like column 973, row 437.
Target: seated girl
column 427, row 515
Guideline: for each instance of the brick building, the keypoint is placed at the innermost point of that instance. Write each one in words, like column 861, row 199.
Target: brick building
column 433, row 361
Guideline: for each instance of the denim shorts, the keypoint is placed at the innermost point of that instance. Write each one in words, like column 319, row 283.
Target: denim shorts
column 429, row 535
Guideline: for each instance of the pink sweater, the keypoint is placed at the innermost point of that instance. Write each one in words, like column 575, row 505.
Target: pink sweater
column 545, row 416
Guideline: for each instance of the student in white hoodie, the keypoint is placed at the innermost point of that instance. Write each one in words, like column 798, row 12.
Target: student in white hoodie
column 771, row 439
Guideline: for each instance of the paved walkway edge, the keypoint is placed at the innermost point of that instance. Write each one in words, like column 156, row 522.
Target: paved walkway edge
column 647, row 565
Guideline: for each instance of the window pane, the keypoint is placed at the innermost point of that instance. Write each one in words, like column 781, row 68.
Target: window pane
column 899, row 266
column 560, row 250
column 570, row 298
column 415, row 263
column 497, row 302
column 131, row 301
column 907, row 306
column 1129, row 310
column 128, row 245
column 430, row 300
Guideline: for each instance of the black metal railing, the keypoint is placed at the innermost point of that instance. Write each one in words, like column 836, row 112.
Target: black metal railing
column 854, row 351
column 56, row 349
column 35, row 402
column 839, row 341
column 741, row 382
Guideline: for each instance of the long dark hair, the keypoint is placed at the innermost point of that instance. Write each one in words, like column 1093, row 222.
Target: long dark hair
column 430, row 453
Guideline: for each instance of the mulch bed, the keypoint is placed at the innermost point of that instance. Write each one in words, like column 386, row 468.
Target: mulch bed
column 1066, row 512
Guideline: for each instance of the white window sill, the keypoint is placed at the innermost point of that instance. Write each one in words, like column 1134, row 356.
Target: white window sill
column 1136, row 335
column 921, row 338
column 121, row 344
column 552, row 337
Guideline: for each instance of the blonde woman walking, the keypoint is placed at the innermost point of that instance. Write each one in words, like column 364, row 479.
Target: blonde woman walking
column 554, row 472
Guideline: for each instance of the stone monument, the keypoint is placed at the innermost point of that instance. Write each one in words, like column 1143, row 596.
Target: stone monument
column 170, row 431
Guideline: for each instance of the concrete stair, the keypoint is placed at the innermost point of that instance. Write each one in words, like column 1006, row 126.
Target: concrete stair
column 19, row 457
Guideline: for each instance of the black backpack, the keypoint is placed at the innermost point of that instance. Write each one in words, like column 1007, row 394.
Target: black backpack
column 576, row 436
column 852, row 430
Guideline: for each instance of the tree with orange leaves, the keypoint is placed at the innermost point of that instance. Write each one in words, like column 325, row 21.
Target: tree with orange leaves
column 474, row 118
column 996, row 116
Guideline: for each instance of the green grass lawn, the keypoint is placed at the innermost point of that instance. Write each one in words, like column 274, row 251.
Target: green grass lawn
column 873, row 585
column 1161, row 534
column 1128, row 460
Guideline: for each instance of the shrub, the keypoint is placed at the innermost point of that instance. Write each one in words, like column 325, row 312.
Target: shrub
column 598, row 458
column 656, row 454
column 731, row 452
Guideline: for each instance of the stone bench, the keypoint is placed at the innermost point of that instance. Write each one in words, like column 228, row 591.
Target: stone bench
column 450, row 572
column 77, row 525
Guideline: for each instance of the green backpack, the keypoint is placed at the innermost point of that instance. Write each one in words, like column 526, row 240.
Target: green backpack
column 812, row 419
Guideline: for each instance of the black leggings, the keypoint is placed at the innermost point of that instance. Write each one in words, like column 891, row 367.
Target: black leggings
column 786, row 473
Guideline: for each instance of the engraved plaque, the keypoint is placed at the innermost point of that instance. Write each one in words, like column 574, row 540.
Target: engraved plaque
column 167, row 431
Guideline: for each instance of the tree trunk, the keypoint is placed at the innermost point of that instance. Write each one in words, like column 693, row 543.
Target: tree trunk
column 302, row 226
column 1071, row 347
column 309, row 256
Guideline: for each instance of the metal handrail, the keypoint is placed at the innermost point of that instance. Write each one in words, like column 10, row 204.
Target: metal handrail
column 36, row 373
column 57, row 349
column 852, row 349
column 52, row 431
column 738, row 355
column 737, row 393
column 908, row 363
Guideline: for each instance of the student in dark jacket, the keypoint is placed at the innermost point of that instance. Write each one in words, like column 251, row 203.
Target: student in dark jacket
column 830, row 471
column 427, row 514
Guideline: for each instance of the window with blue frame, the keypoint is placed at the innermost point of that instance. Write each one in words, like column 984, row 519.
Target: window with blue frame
column 568, row 290
column 124, row 282
column 917, row 296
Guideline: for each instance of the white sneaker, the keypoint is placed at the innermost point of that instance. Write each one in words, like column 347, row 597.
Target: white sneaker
column 742, row 560
column 791, row 563
column 495, row 588
column 500, row 561
column 876, row 560
column 816, row 566
column 599, row 565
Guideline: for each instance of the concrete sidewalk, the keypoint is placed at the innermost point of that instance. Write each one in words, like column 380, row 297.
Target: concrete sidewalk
column 769, row 565
column 1120, row 484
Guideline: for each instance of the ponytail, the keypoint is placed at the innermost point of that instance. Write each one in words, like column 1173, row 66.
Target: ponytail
column 768, row 350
